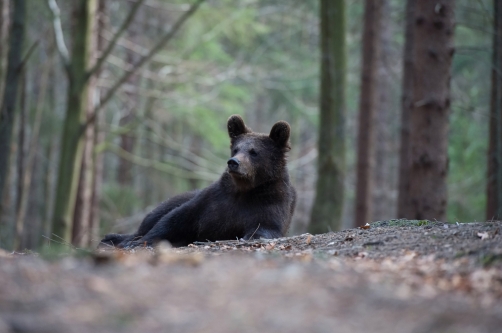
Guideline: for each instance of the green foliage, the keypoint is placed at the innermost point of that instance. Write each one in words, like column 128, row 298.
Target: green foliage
column 121, row 201
column 468, row 139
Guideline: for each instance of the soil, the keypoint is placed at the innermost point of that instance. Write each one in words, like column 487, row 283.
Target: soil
column 395, row 276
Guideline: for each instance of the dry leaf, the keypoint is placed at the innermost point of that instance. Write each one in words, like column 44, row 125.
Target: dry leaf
column 366, row 226
column 309, row 239
column 270, row 246
column 483, row 235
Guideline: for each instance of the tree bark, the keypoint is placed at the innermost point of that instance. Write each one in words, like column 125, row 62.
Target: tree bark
column 384, row 172
column 433, row 52
column 327, row 209
column 21, row 164
column 14, row 65
column 404, row 204
column 72, row 142
column 4, row 42
column 494, row 184
column 81, row 233
column 367, row 104
column 99, row 137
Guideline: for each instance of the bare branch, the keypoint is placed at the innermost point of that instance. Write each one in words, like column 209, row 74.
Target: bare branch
column 27, row 56
column 164, row 40
column 156, row 165
column 115, row 38
column 58, row 32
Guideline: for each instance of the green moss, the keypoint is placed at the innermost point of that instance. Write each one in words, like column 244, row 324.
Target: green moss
column 401, row 223
column 489, row 259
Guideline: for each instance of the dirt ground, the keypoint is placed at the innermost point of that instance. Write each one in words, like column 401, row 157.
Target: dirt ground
column 396, row 276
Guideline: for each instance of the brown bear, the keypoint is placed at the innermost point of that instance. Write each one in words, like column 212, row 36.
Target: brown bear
column 253, row 198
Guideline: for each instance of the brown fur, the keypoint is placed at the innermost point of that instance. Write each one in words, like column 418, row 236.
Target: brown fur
column 252, row 199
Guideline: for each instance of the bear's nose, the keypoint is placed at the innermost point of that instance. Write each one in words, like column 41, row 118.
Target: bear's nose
column 233, row 163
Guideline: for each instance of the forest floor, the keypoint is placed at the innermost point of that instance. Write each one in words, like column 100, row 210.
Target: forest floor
column 395, row 276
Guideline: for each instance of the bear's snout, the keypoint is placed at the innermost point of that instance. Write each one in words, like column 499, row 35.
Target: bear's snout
column 233, row 164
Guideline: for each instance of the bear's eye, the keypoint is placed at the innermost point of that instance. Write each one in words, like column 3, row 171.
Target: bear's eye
column 235, row 151
column 253, row 152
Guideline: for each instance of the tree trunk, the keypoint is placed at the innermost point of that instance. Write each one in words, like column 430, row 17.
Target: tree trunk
column 25, row 179
column 82, row 214
column 367, row 103
column 433, row 52
column 494, row 185
column 384, row 172
column 11, row 87
column 21, row 164
column 72, row 142
column 4, row 41
column 128, row 138
column 327, row 209
column 99, row 136
column 403, row 203
column 49, row 187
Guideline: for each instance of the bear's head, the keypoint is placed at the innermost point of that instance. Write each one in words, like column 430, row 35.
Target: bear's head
column 257, row 158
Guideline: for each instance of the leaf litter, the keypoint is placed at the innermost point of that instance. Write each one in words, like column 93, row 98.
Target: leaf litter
column 391, row 277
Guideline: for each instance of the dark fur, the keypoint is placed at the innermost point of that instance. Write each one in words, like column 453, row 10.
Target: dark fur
column 254, row 199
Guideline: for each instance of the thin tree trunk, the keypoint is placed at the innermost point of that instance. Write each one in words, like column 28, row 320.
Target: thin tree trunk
column 99, row 136
column 128, row 137
column 383, row 194
column 82, row 213
column 49, row 187
column 367, row 103
column 72, row 143
column 404, row 204
column 327, row 209
column 494, row 184
column 25, row 180
column 4, row 42
column 433, row 52
column 11, row 87
column 23, row 109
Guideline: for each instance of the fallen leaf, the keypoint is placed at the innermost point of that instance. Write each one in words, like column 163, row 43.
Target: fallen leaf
column 270, row 246
column 366, row 226
column 309, row 238
column 483, row 235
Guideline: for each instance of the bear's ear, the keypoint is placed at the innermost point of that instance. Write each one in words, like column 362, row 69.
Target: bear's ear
column 280, row 133
column 236, row 126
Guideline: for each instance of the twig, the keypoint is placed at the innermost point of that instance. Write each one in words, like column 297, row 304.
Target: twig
column 255, row 231
column 62, row 243
column 164, row 40
column 115, row 38
column 58, row 32
column 27, row 56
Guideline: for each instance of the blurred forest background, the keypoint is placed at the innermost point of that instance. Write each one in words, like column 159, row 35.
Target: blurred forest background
column 117, row 105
